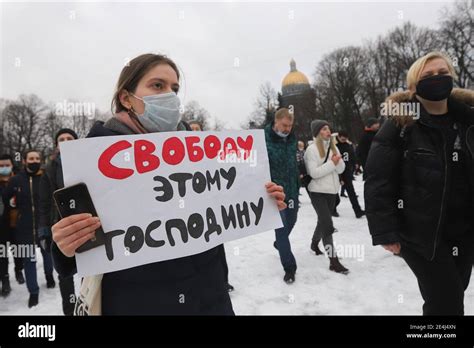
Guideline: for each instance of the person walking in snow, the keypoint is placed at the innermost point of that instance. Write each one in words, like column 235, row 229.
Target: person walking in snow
column 7, row 229
column 281, row 148
column 419, row 191
column 22, row 192
column 324, row 164
column 347, row 177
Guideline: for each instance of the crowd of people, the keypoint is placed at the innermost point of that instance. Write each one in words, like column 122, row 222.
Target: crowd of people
column 324, row 166
column 28, row 212
column 418, row 192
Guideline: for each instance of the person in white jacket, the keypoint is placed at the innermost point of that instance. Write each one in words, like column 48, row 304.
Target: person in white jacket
column 324, row 164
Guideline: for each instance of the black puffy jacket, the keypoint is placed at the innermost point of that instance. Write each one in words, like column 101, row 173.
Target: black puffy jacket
column 192, row 285
column 407, row 174
column 364, row 146
column 349, row 158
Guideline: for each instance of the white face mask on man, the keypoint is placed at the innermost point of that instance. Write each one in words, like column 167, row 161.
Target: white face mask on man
column 162, row 112
column 281, row 134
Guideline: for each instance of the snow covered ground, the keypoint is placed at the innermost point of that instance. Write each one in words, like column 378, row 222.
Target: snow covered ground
column 378, row 282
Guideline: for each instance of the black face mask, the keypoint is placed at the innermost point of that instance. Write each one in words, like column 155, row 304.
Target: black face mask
column 33, row 167
column 435, row 88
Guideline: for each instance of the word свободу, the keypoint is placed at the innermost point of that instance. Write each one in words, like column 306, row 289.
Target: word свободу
column 173, row 152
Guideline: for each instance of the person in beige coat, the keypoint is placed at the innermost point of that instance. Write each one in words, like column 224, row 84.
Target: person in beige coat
column 324, row 164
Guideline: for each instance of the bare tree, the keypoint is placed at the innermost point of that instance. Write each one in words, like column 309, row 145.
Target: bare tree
column 219, row 125
column 23, row 124
column 457, row 34
column 409, row 42
column 195, row 112
column 3, row 103
column 265, row 107
column 373, row 89
column 339, row 82
column 52, row 123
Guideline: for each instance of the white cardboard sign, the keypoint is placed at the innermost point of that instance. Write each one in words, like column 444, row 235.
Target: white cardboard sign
column 163, row 196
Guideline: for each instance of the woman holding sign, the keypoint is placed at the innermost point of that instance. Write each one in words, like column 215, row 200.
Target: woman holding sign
column 146, row 101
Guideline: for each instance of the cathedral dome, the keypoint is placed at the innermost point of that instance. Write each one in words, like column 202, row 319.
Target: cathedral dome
column 294, row 81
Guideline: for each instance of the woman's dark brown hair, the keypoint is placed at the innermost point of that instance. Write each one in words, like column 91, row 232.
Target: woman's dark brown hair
column 133, row 72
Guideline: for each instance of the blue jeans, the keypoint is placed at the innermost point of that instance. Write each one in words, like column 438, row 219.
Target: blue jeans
column 288, row 216
column 30, row 270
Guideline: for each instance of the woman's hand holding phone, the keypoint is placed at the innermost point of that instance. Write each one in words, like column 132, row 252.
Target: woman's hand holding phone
column 73, row 231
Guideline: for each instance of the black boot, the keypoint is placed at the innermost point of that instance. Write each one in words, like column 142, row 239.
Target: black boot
column 289, row 277
column 335, row 265
column 6, row 288
column 50, row 283
column 33, row 301
column 19, row 277
column 68, row 306
column 360, row 213
column 315, row 248
column 66, row 287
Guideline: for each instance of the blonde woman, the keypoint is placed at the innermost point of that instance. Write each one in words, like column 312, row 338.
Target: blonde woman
column 420, row 183
column 324, row 164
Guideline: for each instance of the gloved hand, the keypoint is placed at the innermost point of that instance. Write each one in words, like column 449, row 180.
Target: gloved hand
column 45, row 244
column 45, row 239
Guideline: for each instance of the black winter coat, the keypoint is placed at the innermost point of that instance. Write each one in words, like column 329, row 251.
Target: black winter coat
column 349, row 158
column 51, row 180
column 192, row 285
column 364, row 146
column 25, row 188
column 408, row 174
column 5, row 229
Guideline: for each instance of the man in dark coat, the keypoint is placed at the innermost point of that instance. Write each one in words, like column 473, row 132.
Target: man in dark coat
column 52, row 180
column 22, row 192
column 371, row 128
column 347, row 177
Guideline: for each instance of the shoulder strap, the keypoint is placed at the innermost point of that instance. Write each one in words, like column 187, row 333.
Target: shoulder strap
column 327, row 154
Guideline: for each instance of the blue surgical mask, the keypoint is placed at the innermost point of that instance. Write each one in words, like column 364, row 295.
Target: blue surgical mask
column 162, row 112
column 5, row 171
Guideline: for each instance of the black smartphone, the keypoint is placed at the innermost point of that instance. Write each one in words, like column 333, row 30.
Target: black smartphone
column 76, row 199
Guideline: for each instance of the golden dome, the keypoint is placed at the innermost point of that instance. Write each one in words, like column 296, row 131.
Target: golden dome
column 294, row 77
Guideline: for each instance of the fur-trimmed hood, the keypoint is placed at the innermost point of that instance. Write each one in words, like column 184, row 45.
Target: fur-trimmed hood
column 460, row 95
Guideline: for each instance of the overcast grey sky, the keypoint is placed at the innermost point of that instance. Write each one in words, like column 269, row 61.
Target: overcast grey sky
column 75, row 51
